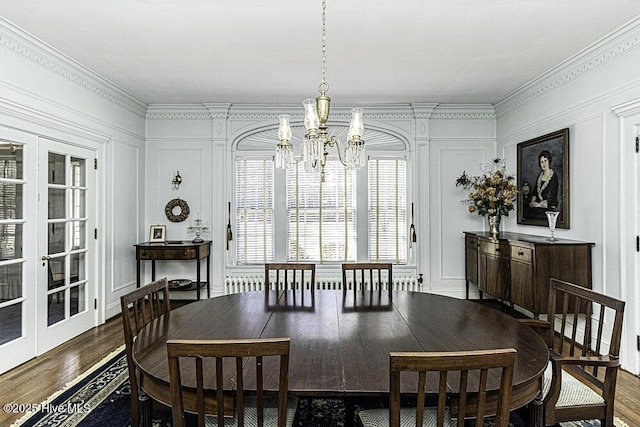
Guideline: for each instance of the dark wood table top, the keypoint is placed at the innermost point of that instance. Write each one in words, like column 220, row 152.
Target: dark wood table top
column 340, row 347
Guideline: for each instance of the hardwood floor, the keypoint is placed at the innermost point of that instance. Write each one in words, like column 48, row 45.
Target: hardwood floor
column 35, row 380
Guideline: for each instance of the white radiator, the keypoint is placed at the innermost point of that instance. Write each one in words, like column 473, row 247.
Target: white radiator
column 237, row 284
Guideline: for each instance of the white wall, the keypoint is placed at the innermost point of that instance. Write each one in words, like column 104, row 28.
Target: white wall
column 582, row 94
column 47, row 94
column 44, row 93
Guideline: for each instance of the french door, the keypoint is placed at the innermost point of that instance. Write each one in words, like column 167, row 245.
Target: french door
column 66, row 286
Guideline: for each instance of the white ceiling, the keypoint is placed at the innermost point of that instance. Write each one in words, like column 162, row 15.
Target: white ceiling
column 269, row 51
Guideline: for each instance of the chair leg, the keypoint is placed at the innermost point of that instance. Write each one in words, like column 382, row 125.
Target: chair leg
column 135, row 410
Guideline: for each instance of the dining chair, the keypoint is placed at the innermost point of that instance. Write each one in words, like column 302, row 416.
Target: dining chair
column 208, row 359
column 456, row 380
column 584, row 343
column 139, row 308
column 298, row 278
column 367, row 276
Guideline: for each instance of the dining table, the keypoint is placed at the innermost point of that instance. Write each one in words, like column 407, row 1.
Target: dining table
column 340, row 341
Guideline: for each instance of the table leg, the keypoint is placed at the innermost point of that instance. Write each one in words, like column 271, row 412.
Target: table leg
column 137, row 273
column 208, row 278
column 153, row 270
column 145, row 405
column 536, row 412
column 198, row 278
column 349, row 412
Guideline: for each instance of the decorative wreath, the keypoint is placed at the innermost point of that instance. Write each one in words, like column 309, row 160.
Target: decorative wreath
column 184, row 210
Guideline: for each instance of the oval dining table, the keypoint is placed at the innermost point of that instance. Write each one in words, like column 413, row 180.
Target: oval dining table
column 340, row 342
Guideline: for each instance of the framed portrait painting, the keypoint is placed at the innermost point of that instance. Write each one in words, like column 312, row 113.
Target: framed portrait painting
column 543, row 179
column 157, row 234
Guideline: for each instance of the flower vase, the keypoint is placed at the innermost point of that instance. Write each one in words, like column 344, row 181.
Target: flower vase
column 494, row 224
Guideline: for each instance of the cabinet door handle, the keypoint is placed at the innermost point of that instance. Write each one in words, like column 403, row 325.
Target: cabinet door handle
column 520, row 253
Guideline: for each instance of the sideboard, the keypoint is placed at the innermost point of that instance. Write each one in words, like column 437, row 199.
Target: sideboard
column 179, row 250
column 517, row 268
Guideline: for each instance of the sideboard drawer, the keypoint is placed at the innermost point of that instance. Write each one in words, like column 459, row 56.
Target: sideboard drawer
column 494, row 248
column 518, row 253
column 471, row 242
column 169, row 254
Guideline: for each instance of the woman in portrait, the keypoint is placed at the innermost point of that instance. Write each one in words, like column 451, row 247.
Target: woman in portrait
column 545, row 192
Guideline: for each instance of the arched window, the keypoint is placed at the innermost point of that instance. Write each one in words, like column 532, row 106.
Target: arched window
column 293, row 216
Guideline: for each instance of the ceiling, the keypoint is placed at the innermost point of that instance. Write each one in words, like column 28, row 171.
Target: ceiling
column 269, row 51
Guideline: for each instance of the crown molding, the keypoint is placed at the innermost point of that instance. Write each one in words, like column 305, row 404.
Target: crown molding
column 178, row 112
column 35, row 50
column 600, row 53
column 464, row 111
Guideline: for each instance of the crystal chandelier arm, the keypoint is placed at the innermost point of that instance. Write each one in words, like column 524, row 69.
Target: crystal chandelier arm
column 334, row 141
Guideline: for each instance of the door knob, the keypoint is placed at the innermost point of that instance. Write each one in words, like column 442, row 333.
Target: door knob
column 46, row 258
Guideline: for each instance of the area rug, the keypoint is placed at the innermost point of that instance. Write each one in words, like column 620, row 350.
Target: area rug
column 101, row 397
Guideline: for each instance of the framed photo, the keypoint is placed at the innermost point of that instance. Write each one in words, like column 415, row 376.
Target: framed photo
column 543, row 179
column 157, row 233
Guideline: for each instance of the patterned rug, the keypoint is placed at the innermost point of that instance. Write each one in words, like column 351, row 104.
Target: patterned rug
column 101, row 397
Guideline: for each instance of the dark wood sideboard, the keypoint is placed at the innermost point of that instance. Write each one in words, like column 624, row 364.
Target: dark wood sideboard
column 517, row 268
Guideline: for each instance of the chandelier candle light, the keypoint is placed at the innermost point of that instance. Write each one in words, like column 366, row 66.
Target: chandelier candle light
column 316, row 141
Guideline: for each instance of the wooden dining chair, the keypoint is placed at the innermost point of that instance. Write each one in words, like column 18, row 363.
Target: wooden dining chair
column 297, row 278
column 292, row 275
column 139, row 308
column 457, row 380
column 584, row 342
column 256, row 409
column 367, row 276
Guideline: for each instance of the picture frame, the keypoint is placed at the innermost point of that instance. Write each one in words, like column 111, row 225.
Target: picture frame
column 543, row 179
column 157, row 233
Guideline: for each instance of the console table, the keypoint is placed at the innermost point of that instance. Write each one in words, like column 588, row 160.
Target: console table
column 517, row 268
column 181, row 250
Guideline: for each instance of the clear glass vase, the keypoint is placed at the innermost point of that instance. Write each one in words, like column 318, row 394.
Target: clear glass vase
column 552, row 217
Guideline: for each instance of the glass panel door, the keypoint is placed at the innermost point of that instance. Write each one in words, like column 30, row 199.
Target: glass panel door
column 12, row 295
column 69, row 285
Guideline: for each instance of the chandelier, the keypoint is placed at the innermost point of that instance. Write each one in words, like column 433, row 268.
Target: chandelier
column 316, row 141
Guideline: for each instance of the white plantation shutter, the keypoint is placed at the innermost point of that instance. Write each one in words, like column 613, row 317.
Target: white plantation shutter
column 387, row 210
column 321, row 216
column 254, row 211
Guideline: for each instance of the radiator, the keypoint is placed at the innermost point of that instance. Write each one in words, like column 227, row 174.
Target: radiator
column 237, row 284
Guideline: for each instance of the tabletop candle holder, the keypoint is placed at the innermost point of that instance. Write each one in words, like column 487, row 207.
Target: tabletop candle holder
column 199, row 227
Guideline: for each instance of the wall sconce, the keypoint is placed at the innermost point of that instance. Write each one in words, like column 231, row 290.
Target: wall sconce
column 177, row 180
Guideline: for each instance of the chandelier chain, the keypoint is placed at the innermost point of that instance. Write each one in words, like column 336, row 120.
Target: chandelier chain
column 324, row 86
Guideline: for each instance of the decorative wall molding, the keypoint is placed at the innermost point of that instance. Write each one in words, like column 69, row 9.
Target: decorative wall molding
column 29, row 47
column 464, row 112
column 598, row 54
column 38, row 118
column 464, row 116
column 178, row 116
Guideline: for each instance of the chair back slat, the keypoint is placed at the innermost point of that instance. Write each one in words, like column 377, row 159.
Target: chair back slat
column 584, row 336
column 471, row 369
column 236, row 353
column 367, row 276
column 139, row 308
column 297, row 280
column 294, row 276
column 593, row 319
